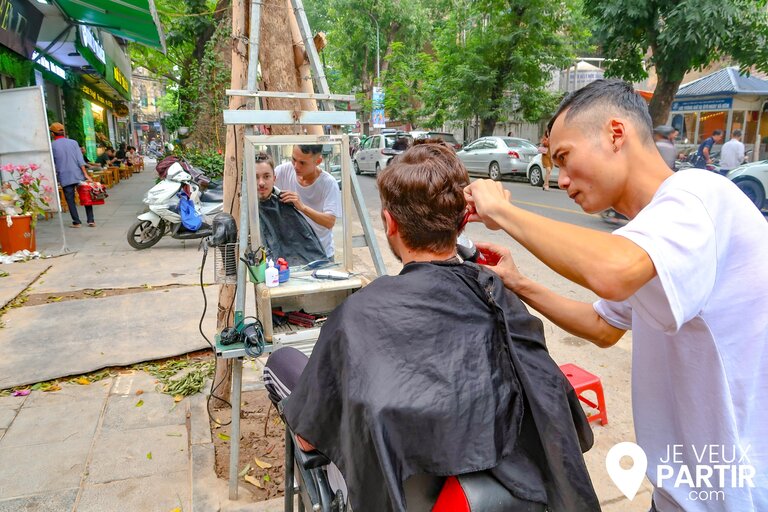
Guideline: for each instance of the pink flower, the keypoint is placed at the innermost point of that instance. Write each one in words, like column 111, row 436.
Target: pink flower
column 20, row 168
column 34, row 167
column 26, row 179
column 8, row 167
column 47, row 189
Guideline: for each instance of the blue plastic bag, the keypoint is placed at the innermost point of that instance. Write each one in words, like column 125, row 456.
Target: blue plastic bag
column 189, row 217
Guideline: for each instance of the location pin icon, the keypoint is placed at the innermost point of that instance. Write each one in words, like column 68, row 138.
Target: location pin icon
column 627, row 480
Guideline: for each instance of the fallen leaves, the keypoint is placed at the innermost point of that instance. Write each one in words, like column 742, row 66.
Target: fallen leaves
column 139, row 403
column 253, row 481
column 83, row 381
column 139, row 392
column 52, row 387
column 223, row 437
column 22, row 392
column 262, row 464
column 149, row 455
column 245, row 470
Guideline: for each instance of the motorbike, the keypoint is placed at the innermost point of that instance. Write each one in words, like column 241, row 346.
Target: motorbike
column 163, row 216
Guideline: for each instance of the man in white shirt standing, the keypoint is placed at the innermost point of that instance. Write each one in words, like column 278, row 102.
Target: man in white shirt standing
column 687, row 274
column 313, row 192
column 732, row 154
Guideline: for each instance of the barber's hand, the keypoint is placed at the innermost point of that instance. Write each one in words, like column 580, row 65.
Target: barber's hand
column 484, row 197
column 505, row 268
column 287, row 196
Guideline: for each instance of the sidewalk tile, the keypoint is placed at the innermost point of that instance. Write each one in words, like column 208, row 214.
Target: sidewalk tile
column 70, row 394
column 200, row 426
column 6, row 417
column 55, row 423
column 56, row 501
column 26, row 470
column 123, row 454
column 156, row 410
column 128, row 382
column 161, row 493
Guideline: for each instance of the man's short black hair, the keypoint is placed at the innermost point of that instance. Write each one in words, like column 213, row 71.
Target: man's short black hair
column 608, row 96
column 311, row 149
column 717, row 132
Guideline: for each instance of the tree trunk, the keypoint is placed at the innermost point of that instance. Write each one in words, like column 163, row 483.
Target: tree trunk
column 232, row 164
column 303, row 69
column 663, row 96
column 487, row 126
column 277, row 59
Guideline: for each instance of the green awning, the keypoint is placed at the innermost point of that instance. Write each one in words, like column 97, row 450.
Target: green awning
column 135, row 20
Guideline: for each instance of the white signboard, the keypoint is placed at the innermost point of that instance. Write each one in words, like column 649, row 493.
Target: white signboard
column 24, row 136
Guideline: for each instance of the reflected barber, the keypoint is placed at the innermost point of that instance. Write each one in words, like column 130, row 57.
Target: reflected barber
column 312, row 191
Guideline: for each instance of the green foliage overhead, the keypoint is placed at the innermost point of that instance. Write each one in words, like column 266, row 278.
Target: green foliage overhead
column 678, row 36
column 495, row 58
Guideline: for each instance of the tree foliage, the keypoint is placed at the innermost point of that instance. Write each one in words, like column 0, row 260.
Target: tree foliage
column 495, row 58
column 677, row 36
column 190, row 27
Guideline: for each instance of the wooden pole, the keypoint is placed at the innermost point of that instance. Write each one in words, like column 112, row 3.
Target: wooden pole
column 233, row 165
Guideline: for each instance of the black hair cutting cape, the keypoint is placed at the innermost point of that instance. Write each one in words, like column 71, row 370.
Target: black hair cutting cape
column 441, row 370
column 287, row 234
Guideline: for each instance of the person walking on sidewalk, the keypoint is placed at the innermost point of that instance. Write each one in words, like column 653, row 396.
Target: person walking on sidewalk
column 70, row 171
column 732, row 154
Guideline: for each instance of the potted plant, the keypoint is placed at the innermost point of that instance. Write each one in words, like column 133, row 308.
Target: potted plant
column 24, row 196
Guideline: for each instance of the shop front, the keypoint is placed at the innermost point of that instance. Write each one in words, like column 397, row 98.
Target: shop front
column 20, row 24
column 724, row 100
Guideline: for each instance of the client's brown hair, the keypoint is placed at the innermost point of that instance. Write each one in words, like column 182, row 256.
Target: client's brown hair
column 423, row 190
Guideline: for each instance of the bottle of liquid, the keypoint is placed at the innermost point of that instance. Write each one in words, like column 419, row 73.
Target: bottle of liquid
column 271, row 275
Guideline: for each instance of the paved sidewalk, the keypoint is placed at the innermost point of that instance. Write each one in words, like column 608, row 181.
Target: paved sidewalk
column 86, row 448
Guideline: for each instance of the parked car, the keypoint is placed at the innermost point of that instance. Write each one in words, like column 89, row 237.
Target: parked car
column 535, row 172
column 752, row 179
column 370, row 157
column 446, row 137
column 498, row 156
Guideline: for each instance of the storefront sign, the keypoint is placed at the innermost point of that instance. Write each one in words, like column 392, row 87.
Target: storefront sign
column 90, row 41
column 702, row 105
column 97, row 97
column 19, row 26
column 120, row 78
column 49, row 65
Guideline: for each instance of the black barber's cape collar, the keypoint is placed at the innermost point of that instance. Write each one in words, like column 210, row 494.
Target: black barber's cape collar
column 441, row 370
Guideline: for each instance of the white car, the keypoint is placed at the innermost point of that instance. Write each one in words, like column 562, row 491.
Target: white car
column 535, row 172
column 752, row 179
column 371, row 157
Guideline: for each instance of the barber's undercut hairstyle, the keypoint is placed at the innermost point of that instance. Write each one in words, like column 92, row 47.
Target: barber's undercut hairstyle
column 265, row 158
column 311, row 149
column 602, row 99
column 736, row 133
column 423, row 190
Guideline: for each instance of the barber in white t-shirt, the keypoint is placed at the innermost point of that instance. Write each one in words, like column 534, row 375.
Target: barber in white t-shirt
column 687, row 274
column 312, row 191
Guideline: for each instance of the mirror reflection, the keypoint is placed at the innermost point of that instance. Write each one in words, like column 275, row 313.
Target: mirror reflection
column 300, row 204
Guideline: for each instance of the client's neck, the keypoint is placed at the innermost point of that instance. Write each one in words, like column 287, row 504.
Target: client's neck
column 409, row 255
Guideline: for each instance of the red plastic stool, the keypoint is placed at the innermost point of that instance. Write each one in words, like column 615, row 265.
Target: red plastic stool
column 582, row 381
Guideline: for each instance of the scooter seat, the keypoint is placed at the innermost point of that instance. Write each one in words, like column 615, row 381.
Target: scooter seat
column 212, row 196
column 481, row 492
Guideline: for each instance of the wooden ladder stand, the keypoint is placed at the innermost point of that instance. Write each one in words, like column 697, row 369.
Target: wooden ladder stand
column 249, row 216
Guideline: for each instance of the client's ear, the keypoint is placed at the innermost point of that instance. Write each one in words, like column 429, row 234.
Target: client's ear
column 390, row 224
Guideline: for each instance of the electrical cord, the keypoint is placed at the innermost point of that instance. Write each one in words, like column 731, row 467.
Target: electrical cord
column 213, row 348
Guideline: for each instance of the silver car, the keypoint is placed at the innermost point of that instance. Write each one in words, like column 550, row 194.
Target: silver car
column 498, row 156
column 536, row 172
column 371, row 157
